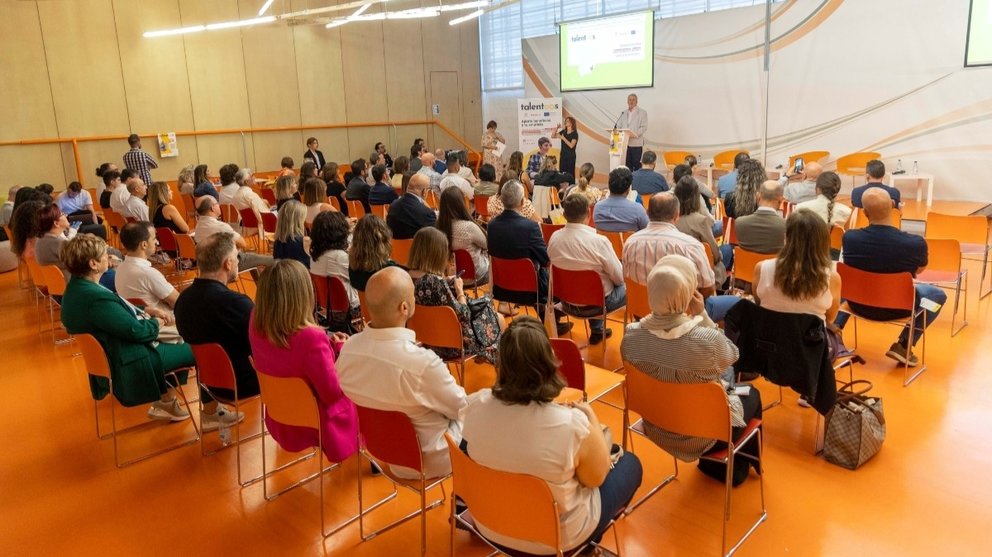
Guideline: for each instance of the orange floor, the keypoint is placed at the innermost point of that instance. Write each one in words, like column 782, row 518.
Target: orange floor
column 926, row 493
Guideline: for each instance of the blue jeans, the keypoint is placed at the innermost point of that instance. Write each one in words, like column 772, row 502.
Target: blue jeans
column 727, row 252
column 718, row 306
column 617, row 490
column 923, row 320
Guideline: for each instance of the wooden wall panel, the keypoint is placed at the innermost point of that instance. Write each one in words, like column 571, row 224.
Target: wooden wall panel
column 407, row 95
column 321, row 87
column 471, row 82
column 364, row 75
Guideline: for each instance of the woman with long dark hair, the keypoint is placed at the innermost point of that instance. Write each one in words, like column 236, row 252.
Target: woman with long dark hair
column 454, row 220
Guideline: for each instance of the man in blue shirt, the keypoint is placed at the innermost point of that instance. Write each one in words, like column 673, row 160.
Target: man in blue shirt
column 646, row 180
column 883, row 248
column 381, row 193
column 874, row 172
column 616, row 213
column 728, row 182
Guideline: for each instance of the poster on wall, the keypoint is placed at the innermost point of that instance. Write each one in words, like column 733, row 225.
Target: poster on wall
column 167, row 146
column 536, row 118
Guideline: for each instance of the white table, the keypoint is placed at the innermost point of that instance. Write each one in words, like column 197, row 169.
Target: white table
column 920, row 179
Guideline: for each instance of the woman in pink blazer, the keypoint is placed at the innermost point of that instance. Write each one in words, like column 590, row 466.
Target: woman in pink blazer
column 285, row 342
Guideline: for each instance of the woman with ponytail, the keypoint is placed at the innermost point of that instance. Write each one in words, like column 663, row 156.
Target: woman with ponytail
column 584, row 187
column 825, row 204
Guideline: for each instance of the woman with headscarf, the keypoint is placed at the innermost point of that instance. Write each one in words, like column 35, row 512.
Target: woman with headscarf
column 679, row 343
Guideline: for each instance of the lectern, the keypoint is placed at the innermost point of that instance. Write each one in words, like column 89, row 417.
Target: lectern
column 618, row 146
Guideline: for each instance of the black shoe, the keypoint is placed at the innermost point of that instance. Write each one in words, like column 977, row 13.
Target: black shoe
column 565, row 327
column 597, row 337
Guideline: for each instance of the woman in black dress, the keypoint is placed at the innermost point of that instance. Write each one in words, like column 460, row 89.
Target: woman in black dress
column 569, row 139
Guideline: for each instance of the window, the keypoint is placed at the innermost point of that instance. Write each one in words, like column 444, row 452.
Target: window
column 500, row 31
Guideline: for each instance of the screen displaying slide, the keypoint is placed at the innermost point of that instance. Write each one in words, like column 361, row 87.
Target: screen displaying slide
column 607, row 53
column 979, row 45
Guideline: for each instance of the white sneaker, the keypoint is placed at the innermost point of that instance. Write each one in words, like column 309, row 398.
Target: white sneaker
column 223, row 417
column 167, row 411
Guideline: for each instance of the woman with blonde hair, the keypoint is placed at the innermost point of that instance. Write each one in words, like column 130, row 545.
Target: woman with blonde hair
column 186, row 180
column 515, row 171
column 583, row 185
column 429, row 262
column 290, row 232
column 285, row 342
column 314, row 191
column 371, row 248
column 286, row 188
column 164, row 214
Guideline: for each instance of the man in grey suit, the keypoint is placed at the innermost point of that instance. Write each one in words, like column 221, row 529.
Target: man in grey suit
column 763, row 231
column 636, row 120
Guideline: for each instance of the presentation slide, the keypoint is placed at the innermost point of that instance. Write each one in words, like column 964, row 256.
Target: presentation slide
column 607, row 53
column 979, row 45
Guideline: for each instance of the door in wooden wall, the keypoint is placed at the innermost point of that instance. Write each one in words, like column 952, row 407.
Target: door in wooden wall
column 445, row 107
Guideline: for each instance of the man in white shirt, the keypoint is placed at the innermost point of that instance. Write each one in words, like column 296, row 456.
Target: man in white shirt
column 208, row 223
column 382, row 367
column 228, row 186
column 134, row 206
column 76, row 204
column 456, row 181
column 120, row 194
column 634, row 119
column 456, row 168
column 136, row 278
column 245, row 197
column 8, row 207
column 577, row 247
column 645, row 248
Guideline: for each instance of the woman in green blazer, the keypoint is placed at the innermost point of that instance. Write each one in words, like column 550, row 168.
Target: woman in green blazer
column 137, row 361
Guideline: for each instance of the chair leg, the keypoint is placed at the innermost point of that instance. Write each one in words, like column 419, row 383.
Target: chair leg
column 906, row 378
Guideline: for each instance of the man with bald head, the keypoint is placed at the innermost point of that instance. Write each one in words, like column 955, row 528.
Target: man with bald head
column 410, row 213
column 880, row 247
column 763, row 231
column 645, row 248
column 382, row 367
column 805, row 188
column 433, row 176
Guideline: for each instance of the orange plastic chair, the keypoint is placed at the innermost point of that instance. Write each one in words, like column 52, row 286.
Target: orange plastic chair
column 518, row 275
column 96, row 364
column 54, row 281
column 836, row 237
column 189, row 205
column 333, row 202
column 697, row 410
column 439, row 327
column 518, row 506
column 355, row 208
column 637, row 301
column 482, row 207
column 291, row 401
column 269, row 196
column 973, row 233
column 430, row 197
column 228, row 213
column 465, row 266
column 725, row 160
column 853, row 164
column 380, row 210
column 616, row 240
column 401, row 250
column 116, row 223
column 40, row 289
column 185, row 246
column 591, row 381
column 214, row 371
column 249, row 222
column 744, row 263
column 547, row 230
column 365, row 307
column 883, row 290
column 808, row 157
column 709, row 254
column 389, row 439
column 730, row 232
column 675, row 158
column 331, row 295
column 578, row 288
column 944, row 270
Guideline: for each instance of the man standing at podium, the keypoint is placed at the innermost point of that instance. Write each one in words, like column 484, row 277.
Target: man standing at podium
column 634, row 119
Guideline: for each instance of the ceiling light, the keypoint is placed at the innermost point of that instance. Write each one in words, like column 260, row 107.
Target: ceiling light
column 241, row 23
column 465, row 18
column 265, row 6
column 167, row 32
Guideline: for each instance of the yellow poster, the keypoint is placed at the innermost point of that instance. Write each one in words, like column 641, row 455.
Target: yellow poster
column 167, row 145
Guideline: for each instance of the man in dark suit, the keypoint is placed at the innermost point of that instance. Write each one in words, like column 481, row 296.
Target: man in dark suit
column 874, row 173
column 763, row 231
column 514, row 236
column 410, row 213
column 313, row 154
column 358, row 189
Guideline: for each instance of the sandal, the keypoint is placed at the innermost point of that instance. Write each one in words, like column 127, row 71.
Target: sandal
column 505, row 309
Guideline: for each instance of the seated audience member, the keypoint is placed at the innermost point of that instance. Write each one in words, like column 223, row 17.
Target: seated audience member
column 209, row 312
column 515, row 170
column 8, row 206
column 228, row 183
column 416, row 151
column 285, row 342
column 381, row 193
column 561, row 444
column 410, row 213
column 136, row 278
column 825, row 203
column 100, row 171
column 429, row 258
column 679, row 343
column 111, row 181
column 427, row 169
column 335, row 188
column 287, row 188
column 380, row 148
column 661, row 237
column 454, row 220
column 185, row 182
column 883, row 248
column 577, row 247
column 400, row 167
column 46, row 189
column 290, row 231
column 728, row 182
column 487, row 181
column 313, row 154
column 53, row 233
column 546, row 179
column 204, row 185
column 874, row 173
column 583, row 185
column 455, row 167
column 536, row 161
column 690, row 162
column 617, row 213
column 135, row 206
column 164, row 214
column 696, row 222
column 440, row 161
column 313, row 199
column 137, row 362
column 645, row 179
column 358, row 188
column 76, row 204
column 744, row 199
column 308, row 170
column 208, row 223
column 457, row 182
column 24, row 229
column 246, row 198
column 120, row 194
column 805, row 189
column 495, row 205
column 286, row 167
column 329, row 253
column 514, row 236
column 371, row 247
column 762, row 231
column 383, row 367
